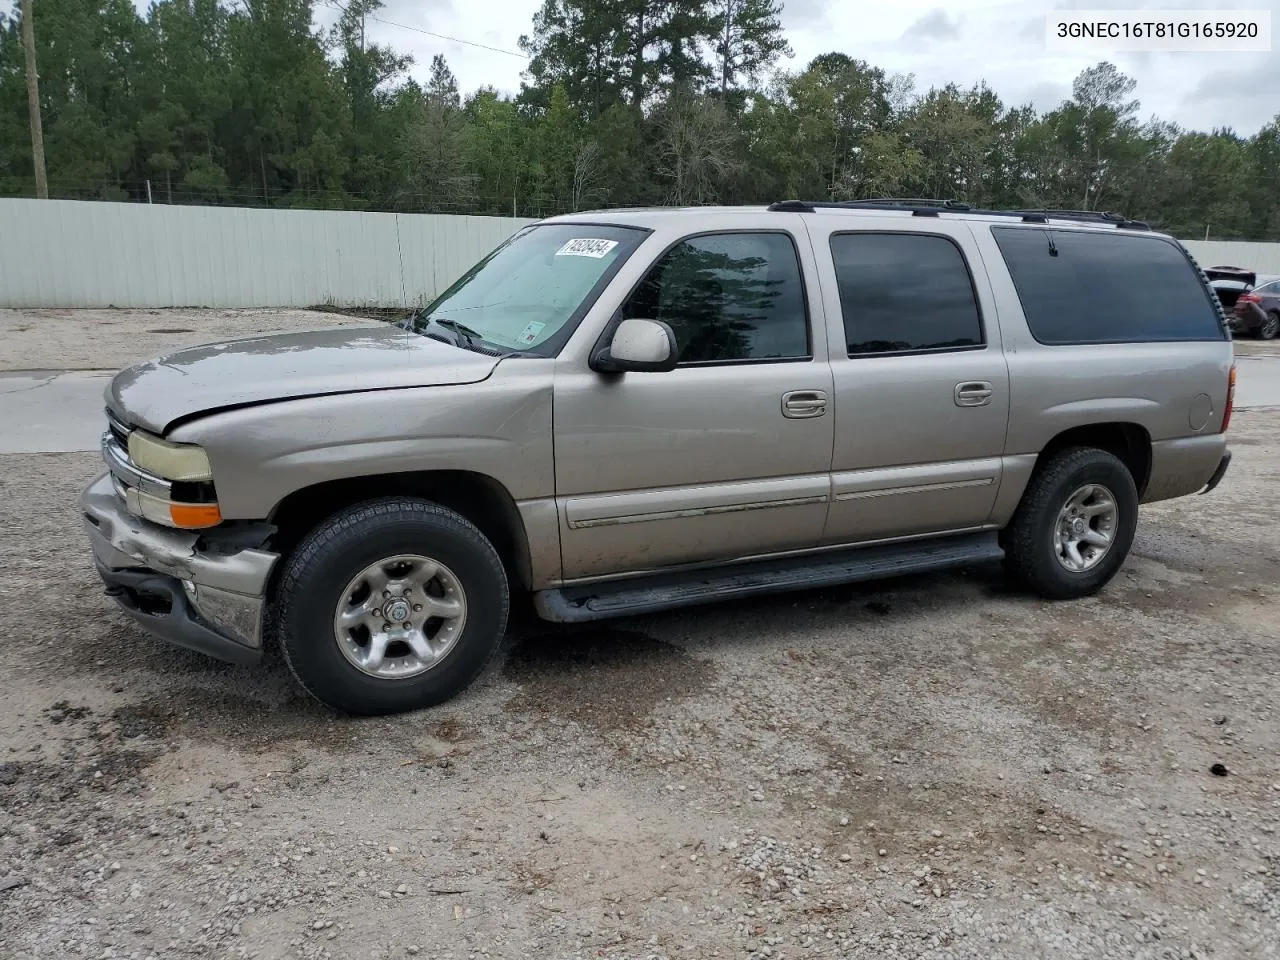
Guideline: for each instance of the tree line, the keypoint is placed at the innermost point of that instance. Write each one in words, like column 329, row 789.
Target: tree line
column 624, row 102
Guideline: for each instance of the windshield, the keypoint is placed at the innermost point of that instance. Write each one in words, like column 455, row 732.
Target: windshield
column 527, row 295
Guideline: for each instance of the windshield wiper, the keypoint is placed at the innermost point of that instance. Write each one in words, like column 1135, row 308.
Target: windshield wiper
column 458, row 334
column 467, row 336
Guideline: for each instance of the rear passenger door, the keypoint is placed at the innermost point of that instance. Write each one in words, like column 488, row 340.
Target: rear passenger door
column 921, row 388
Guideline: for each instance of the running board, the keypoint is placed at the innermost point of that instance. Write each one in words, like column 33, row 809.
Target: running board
column 621, row 598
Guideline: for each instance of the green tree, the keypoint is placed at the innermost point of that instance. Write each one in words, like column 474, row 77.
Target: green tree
column 697, row 148
column 495, row 143
column 1263, row 191
column 624, row 158
column 367, row 72
column 830, row 110
column 955, row 134
column 442, row 85
column 556, row 141
column 1096, row 135
column 1206, row 178
column 435, row 144
column 577, row 45
column 747, row 40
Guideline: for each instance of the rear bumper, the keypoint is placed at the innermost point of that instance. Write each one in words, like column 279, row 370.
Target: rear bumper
column 1183, row 466
column 205, row 601
column 1218, row 474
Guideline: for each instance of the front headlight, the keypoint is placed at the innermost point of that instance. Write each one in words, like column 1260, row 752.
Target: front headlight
column 181, row 462
column 187, row 500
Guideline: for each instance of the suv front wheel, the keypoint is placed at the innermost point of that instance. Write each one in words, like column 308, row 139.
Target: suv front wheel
column 1074, row 526
column 391, row 605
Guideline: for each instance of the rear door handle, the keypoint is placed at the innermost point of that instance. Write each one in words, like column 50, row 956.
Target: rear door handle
column 976, row 393
column 804, row 404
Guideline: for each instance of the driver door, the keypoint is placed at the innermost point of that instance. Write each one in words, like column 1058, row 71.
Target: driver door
column 728, row 455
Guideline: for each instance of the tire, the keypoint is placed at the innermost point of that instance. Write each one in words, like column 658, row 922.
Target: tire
column 1270, row 326
column 398, row 539
column 1033, row 549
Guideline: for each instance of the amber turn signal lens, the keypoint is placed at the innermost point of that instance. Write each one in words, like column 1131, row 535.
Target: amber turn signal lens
column 195, row 516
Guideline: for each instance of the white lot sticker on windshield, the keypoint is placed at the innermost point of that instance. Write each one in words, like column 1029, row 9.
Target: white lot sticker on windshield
column 530, row 333
column 585, row 247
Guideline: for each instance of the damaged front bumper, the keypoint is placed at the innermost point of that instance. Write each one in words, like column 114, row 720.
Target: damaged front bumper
column 199, row 599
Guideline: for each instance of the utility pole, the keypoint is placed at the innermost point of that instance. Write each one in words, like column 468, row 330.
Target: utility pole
column 33, row 101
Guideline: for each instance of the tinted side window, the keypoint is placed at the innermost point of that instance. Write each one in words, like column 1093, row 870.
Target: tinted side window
column 903, row 292
column 728, row 296
column 1079, row 287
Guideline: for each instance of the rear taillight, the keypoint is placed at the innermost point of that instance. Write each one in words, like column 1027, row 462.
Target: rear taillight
column 1231, row 399
column 1249, row 298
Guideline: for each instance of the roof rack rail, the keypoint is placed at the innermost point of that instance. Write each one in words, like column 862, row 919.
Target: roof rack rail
column 931, row 208
column 908, row 202
column 1077, row 214
column 918, row 208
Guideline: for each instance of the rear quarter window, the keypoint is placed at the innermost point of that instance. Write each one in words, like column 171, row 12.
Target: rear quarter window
column 1081, row 287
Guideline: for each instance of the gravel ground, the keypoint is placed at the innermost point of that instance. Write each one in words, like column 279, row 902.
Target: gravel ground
column 112, row 339
column 928, row 767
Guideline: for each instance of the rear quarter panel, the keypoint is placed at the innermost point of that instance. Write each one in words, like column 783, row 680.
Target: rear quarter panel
column 1176, row 391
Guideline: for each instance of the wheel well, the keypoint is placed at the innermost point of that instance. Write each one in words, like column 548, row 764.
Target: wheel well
column 481, row 499
column 1127, row 441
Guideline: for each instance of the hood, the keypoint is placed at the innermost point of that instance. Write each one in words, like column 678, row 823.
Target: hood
column 287, row 366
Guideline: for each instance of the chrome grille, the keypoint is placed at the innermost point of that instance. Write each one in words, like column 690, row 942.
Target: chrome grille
column 126, row 475
column 118, row 429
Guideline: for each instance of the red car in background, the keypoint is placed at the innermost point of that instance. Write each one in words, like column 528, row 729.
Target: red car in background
column 1250, row 307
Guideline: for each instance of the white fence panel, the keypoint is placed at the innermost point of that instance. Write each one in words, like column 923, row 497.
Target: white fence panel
column 437, row 250
column 67, row 253
column 1262, row 258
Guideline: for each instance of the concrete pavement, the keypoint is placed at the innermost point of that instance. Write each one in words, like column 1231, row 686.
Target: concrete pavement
column 50, row 411
column 1257, row 382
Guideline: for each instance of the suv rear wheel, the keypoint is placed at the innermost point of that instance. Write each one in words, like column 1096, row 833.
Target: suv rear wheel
column 1075, row 525
column 391, row 605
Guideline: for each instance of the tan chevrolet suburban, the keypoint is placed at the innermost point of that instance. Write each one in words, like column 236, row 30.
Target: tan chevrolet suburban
column 629, row 411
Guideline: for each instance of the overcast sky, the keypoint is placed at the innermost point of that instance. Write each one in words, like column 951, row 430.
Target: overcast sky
column 962, row 41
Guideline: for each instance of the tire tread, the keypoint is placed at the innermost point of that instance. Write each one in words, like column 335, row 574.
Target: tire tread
column 350, row 522
column 1022, row 540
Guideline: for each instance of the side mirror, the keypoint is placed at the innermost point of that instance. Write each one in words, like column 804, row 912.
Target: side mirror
column 643, row 346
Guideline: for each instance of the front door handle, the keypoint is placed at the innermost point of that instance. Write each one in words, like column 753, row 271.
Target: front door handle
column 975, row 393
column 804, row 404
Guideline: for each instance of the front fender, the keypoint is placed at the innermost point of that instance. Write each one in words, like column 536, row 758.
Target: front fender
column 500, row 427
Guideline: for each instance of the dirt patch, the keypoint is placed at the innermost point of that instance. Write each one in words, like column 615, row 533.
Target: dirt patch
column 248, row 720
column 87, row 756
column 604, row 677
column 385, row 314
column 110, row 339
